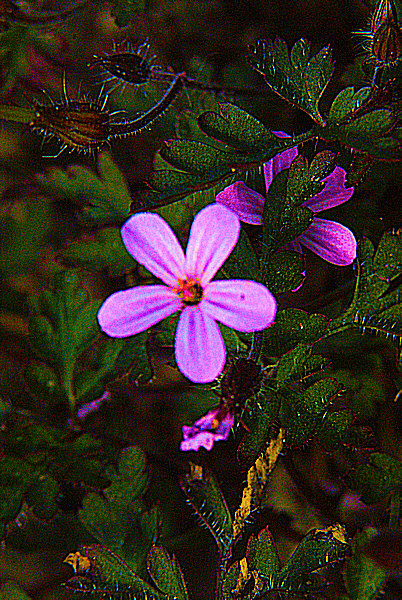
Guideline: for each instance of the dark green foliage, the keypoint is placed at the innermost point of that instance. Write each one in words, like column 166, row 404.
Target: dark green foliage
column 291, row 327
column 118, row 517
column 166, row 573
column 293, row 76
column 377, row 478
column 204, row 495
column 375, row 307
column 103, row 199
column 124, row 11
column 62, row 326
column 363, row 579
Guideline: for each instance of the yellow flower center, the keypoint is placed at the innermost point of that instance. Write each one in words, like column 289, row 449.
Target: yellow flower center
column 189, row 291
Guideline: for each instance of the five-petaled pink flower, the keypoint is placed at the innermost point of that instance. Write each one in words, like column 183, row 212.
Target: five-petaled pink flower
column 332, row 241
column 239, row 304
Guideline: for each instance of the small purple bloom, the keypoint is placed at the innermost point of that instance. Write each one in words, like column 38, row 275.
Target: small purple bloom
column 330, row 240
column 239, row 304
column 207, row 430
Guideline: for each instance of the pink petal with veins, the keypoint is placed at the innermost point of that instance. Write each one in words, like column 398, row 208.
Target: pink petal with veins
column 199, row 347
column 333, row 194
column 332, row 241
column 150, row 240
column 134, row 310
column 213, row 235
column 238, row 303
column 246, row 203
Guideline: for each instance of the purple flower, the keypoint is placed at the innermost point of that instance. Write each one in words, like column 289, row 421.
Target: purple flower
column 239, row 304
column 207, row 430
column 330, row 240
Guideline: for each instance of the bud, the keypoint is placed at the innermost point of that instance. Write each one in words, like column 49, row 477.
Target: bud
column 80, row 125
column 387, row 43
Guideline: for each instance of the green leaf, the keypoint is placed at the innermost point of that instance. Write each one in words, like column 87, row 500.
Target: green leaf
column 43, row 383
column 103, row 199
column 12, row 591
column 105, row 572
column 110, row 516
column 376, row 304
column 262, row 555
column 282, row 271
column 16, row 114
column 166, row 573
column 124, row 10
column 198, row 158
column 294, row 77
column 302, row 412
column 363, row 579
column 204, row 495
column 258, row 418
column 235, row 127
column 381, row 475
column 365, row 122
column 291, row 327
column 102, row 250
column 319, row 548
column 42, row 496
column 134, row 360
column 242, row 262
column 64, row 325
column 334, row 429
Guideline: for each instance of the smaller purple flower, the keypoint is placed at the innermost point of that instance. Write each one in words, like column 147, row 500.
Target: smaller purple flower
column 332, row 241
column 240, row 304
column 207, row 430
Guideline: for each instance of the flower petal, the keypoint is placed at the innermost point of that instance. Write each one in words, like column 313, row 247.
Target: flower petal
column 332, row 241
column 203, row 433
column 246, row 203
column 238, row 303
column 214, row 233
column 131, row 311
column 280, row 161
column 199, row 348
column 151, row 241
column 333, row 194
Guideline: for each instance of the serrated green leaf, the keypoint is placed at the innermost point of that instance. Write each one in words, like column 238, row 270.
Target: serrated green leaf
column 107, row 573
column 332, row 432
column 238, row 129
column 198, row 158
column 291, row 327
column 375, row 307
column 294, row 77
column 65, row 326
column 317, row 549
column 282, row 271
column 262, row 555
column 105, row 199
column 302, row 412
column 290, row 365
column 258, row 418
column 166, row 573
column 362, row 121
column 204, row 495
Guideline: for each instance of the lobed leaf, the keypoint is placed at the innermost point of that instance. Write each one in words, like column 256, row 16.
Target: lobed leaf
column 377, row 478
column 364, row 580
column 293, row 76
column 293, row 326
